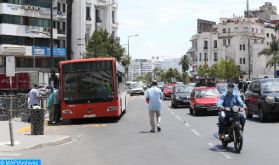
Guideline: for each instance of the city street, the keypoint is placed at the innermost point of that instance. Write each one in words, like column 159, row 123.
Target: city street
column 184, row 139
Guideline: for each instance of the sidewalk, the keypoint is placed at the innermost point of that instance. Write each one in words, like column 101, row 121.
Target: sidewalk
column 23, row 140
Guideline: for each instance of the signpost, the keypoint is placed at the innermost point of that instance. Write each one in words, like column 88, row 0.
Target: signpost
column 10, row 72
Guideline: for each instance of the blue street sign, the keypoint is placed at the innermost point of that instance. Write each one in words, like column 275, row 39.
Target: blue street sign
column 45, row 51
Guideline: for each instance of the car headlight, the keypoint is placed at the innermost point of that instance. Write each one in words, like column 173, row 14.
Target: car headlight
column 270, row 99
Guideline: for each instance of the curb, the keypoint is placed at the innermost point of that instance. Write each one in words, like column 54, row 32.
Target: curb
column 54, row 143
column 42, row 145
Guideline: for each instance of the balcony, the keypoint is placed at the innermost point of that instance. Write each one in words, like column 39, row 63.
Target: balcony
column 248, row 34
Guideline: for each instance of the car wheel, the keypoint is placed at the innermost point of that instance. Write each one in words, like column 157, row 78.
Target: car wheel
column 195, row 112
column 262, row 115
column 173, row 104
column 131, row 94
column 249, row 115
column 191, row 111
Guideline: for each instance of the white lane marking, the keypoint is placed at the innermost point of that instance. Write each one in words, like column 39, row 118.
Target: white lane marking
column 196, row 132
column 9, row 154
column 188, row 125
column 9, row 143
column 219, row 151
column 179, row 118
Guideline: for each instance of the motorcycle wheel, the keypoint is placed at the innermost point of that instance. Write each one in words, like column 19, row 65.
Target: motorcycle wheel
column 238, row 141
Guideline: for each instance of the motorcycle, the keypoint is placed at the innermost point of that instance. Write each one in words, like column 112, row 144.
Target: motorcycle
column 233, row 129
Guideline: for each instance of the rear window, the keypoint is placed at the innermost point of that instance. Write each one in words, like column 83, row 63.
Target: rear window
column 207, row 93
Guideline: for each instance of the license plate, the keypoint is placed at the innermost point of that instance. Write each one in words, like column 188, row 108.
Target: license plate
column 89, row 116
column 212, row 108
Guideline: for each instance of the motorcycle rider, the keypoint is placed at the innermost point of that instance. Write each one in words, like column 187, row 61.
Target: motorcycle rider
column 229, row 99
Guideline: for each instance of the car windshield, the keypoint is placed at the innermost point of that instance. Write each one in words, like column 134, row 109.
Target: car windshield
column 137, row 86
column 207, row 93
column 270, row 86
column 183, row 89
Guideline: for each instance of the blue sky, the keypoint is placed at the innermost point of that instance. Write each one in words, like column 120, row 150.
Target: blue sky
column 166, row 26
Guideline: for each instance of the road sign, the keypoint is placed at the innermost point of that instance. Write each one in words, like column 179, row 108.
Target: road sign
column 10, row 66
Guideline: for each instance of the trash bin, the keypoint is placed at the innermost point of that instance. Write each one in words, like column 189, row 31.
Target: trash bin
column 37, row 116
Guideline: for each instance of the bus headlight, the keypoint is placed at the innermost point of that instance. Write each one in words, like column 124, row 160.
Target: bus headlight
column 67, row 112
column 112, row 108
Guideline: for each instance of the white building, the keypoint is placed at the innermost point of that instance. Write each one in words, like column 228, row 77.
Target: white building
column 87, row 16
column 234, row 38
column 25, row 33
column 171, row 63
column 140, row 67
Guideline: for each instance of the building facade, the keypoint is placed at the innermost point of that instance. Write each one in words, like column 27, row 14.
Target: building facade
column 171, row 63
column 140, row 67
column 87, row 16
column 25, row 30
column 240, row 39
column 25, row 34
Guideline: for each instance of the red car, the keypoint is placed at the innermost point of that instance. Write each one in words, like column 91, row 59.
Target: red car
column 167, row 92
column 203, row 99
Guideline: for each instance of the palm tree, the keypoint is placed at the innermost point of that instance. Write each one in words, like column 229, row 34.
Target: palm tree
column 272, row 51
column 185, row 61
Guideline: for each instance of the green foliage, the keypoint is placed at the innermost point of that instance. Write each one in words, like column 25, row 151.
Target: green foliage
column 224, row 69
column 102, row 44
column 185, row 61
column 273, row 53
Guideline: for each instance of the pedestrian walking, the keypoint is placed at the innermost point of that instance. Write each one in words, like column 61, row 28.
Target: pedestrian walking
column 57, row 109
column 33, row 96
column 50, row 106
column 153, row 99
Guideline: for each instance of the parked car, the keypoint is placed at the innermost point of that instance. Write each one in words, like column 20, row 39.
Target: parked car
column 167, row 92
column 181, row 95
column 137, row 89
column 262, row 98
column 203, row 99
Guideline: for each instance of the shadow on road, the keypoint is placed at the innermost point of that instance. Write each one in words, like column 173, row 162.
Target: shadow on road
column 270, row 120
column 107, row 120
column 146, row 132
column 221, row 148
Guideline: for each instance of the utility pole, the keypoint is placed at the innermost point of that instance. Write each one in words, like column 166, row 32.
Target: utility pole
column 69, row 30
column 52, row 72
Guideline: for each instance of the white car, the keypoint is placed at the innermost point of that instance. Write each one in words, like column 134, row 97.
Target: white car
column 137, row 89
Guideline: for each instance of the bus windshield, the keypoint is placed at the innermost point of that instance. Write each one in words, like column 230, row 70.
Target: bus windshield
column 88, row 82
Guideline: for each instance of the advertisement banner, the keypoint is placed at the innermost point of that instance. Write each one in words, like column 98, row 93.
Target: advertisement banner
column 45, row 51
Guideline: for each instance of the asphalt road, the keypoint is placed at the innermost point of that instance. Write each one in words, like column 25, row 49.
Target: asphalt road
column 184, row 140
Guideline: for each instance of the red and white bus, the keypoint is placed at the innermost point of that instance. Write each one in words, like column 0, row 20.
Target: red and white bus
column 93, row 87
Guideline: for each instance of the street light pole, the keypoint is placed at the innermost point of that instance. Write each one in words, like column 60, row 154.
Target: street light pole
column 51, row 41
column 129, row 52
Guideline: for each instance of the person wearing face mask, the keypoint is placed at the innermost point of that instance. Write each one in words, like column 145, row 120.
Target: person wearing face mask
column 229, row 99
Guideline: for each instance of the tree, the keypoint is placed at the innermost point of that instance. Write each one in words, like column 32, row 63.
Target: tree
column 273, row 53
column 185, row 61
column 203, row 70
column 102, row 44
column 227, row 69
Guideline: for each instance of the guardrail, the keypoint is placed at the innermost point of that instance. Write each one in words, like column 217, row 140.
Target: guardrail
column 19, row 106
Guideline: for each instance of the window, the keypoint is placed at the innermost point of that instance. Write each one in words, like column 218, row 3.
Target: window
column 255, row 41
column 246, row 29
column 205, row 57
column 240, row 47
column 229, row 30
column 229, row 42
column 236, row 29
column 224, row 30
column 88, row 14
column 215, row 56
column 215, row 43
column 267, row 34
column 98, row 18
column 267, row 43
column 58, row 6
column 224, row 42
column 272, row 35
column 240, row 60
column 243, row 60
column 253, row 30
column 64, row 27
column 64, row 7
column 205, row 45
column 200, row 56
column 113, row 16
column 243, row 46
